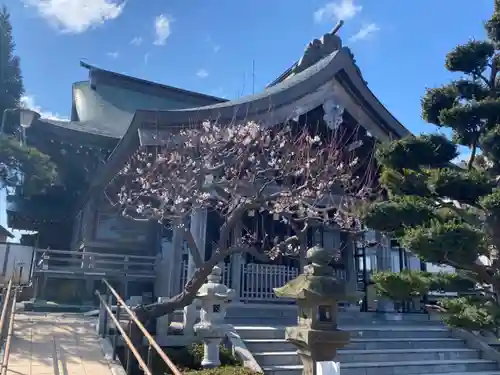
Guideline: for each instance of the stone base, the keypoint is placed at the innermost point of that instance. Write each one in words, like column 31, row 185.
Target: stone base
column 211, row 352
column 393, row 316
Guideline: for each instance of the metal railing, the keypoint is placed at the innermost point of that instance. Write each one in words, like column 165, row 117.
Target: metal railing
column 7, row 323
column 99, row 264
column 106, row 312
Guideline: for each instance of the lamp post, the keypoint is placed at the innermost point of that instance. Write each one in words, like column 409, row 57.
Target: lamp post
column 4, row 119
column 26, row 118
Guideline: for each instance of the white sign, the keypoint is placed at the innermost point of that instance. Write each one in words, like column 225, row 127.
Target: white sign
column 328, row 368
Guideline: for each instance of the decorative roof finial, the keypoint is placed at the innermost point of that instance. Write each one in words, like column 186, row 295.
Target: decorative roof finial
column 337, row 27
column 318, row 49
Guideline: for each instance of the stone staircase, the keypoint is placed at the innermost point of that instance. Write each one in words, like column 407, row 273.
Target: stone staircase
column 412, row 346
column 377, row 347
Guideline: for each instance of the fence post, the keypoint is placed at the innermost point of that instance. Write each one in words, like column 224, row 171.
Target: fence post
column 101, row 325
column 236, row 265
column 116, row 334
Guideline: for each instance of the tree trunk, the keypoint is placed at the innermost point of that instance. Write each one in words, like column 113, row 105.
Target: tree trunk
column 188, row 295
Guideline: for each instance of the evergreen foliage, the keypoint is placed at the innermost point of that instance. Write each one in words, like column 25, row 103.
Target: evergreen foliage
column 11, row 80
column 37, row 169
column 444, row 213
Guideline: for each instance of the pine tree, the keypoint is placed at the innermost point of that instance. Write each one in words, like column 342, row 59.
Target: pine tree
column 11, row 80
column 446, row 213
column 38, row 171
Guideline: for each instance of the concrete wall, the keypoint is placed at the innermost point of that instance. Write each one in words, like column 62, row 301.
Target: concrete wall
column 15, row 261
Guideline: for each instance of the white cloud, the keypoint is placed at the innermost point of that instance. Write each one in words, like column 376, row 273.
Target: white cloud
column 28, row 101
column 216, row 48
column 146, row 58
column 136, row 41
column 162, row 29
column 202, row 73
column 343, row 10
column 365, row 32
column 113, row 55
column 77, row 16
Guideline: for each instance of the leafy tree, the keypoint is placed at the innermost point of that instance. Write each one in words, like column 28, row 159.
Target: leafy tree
column 402, row 286
column 408, row 284
column 449, row 214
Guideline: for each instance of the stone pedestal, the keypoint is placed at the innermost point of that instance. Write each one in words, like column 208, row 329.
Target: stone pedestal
column 211, row 353
column 317, row 293
column 315, row 346
column 211, row 348
column 214, row 297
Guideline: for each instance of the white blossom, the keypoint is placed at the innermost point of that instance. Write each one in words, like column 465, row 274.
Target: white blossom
column 286, row 172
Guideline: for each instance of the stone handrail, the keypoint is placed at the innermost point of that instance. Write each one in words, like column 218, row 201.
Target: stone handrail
column 241, row 351
column 478, row 342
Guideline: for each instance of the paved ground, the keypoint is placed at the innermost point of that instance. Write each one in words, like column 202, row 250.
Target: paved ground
column 55, row 344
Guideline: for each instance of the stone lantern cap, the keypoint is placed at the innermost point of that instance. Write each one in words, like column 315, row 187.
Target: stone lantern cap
column 317, row 282
column 213, row 287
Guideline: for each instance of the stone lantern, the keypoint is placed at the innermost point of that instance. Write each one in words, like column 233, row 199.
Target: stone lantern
column 317, row 293
column 214, row 298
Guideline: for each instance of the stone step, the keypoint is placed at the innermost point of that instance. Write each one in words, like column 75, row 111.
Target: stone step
column 390, row 355
column 238, row 311
column 365, row 332
column 356, row 356
column 450, row 367
column 276, row 345
column 393, row 332
column 291, row 321
column 406, row 343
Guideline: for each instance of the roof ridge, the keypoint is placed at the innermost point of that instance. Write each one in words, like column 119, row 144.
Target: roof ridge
column 145, row 82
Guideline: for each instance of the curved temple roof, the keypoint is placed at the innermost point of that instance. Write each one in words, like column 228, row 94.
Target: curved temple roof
column 98, row 75
column 103, row 106
column 334, row 76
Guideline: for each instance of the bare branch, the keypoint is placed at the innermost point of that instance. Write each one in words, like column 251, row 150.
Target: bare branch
column 297, row 177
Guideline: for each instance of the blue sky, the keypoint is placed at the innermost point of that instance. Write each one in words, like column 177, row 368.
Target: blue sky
column 209, row 46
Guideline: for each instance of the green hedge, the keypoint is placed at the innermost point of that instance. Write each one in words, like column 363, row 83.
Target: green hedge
column 227, row 370
column 189, row 358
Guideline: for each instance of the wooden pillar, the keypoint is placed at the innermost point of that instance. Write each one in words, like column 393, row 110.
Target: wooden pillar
column 384, row 263
column 175, row 266
column 36, row 283
column 165, row 267
column 198, row 229
column 350, row 265
column 236, row 265
column 43, row 294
